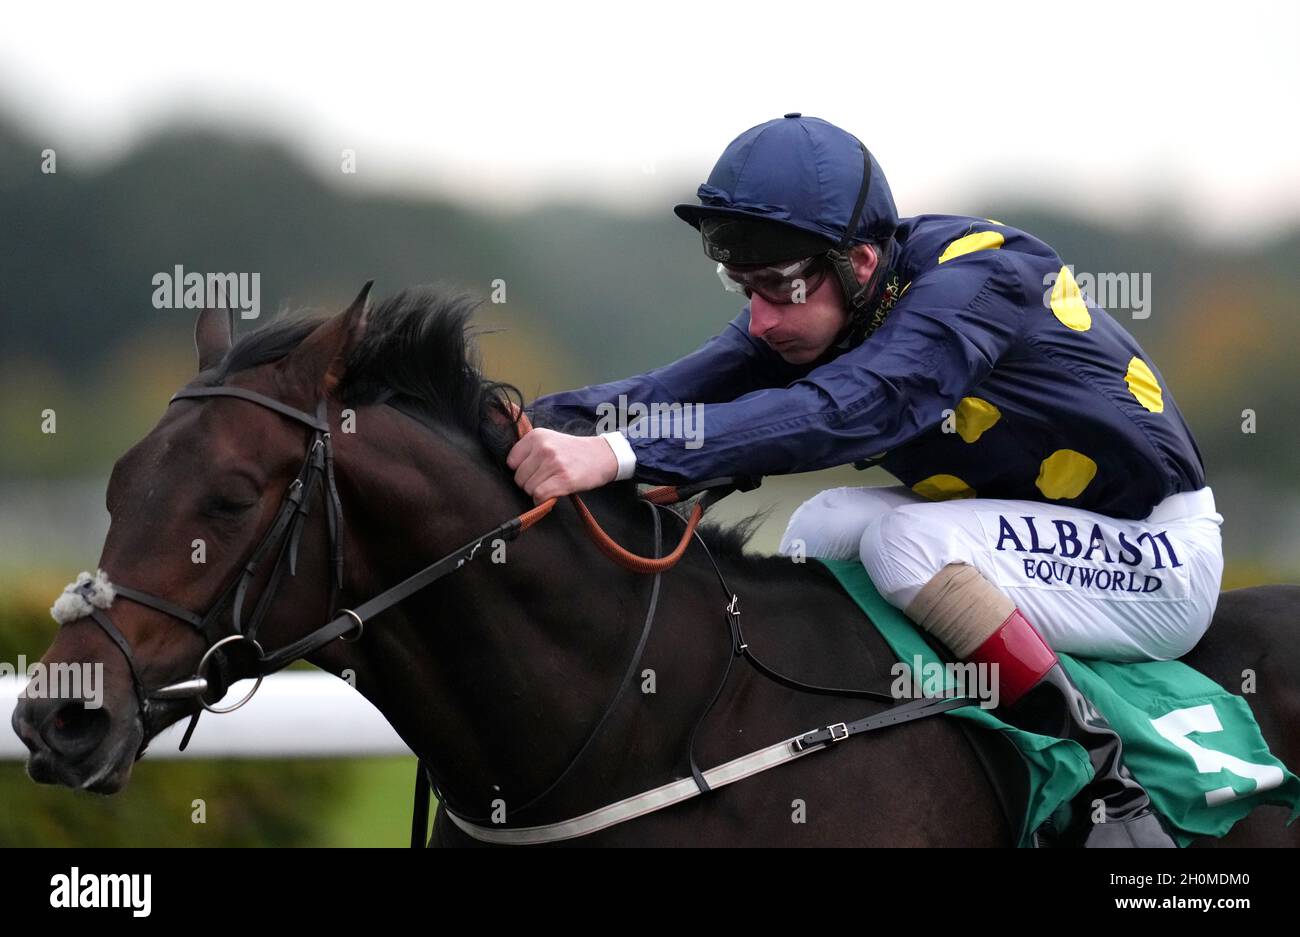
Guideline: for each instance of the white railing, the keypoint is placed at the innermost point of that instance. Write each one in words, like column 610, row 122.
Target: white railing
column 293, row 715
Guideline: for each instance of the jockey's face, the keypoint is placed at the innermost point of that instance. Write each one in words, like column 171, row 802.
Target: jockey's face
column 800, row 332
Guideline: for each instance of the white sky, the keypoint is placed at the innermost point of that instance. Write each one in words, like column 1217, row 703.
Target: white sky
column 1112, row 108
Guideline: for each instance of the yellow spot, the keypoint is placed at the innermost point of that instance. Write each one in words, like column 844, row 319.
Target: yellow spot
column 1143, row 385
column 979, row 241
column 1065, row 473
column 991, row 221
column 943, row 488
column 1068, row 304
column 974, row 416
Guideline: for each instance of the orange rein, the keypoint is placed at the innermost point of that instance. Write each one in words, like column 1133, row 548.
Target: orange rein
column 666, row 494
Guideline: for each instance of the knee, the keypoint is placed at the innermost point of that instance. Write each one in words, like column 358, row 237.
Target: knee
column 871, row 547
column 1182, row 625
column 879, row 551
column 823, row 526
column 903, row 549
column 1178, row 641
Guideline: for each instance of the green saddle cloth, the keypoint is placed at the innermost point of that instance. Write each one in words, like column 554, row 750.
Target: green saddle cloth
column 1194, row 746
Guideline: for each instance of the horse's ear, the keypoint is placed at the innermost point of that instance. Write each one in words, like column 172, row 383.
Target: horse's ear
column 322, row 356
column 213, row 331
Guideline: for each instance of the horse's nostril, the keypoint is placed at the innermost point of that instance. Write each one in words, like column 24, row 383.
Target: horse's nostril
column 22, row 725
column 74, row 730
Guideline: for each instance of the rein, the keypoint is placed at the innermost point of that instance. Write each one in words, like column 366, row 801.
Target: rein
column 485, row 830
column 349, row 625
column 667, row 494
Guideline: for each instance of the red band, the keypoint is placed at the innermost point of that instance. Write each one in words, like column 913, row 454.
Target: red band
column 1020, row 654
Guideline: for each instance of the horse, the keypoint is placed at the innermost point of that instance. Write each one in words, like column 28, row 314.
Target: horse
column 504, row 675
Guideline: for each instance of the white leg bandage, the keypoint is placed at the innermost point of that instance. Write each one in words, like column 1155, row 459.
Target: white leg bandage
column 960, row 608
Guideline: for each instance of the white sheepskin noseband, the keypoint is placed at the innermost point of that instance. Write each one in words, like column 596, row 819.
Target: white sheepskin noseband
column 81, row 596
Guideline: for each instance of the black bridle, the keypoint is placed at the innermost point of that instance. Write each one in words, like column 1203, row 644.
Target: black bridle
column 282, row 538
column 286, row 531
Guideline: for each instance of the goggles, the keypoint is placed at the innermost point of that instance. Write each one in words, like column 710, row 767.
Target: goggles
column 777, row 283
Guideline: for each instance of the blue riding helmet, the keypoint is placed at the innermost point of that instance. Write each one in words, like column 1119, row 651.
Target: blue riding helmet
column 791, row 188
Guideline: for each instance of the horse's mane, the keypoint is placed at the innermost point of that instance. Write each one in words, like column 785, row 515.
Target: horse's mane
column 420, row 354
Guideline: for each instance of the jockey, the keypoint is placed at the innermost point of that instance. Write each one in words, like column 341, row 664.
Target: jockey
column 1053, row 496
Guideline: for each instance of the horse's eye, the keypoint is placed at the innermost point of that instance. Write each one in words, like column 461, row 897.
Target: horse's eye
column 222, row 507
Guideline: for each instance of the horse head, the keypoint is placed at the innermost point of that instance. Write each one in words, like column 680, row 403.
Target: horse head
column 228, row 535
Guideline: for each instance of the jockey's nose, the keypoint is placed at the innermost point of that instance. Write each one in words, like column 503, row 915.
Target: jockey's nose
column 762, row 316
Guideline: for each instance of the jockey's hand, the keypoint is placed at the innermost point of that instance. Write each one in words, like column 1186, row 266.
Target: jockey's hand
column 548, row 464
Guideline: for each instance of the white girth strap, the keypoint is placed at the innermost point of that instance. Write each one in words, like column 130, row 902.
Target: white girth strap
column 639, row 804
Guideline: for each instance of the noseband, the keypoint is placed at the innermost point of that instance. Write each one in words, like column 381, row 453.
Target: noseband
column 282, row 538
column 285, row 533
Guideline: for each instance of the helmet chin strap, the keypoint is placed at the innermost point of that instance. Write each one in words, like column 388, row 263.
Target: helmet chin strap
column 857, row 295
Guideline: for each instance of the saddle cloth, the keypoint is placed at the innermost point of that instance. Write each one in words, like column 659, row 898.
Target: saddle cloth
column 1194, row 746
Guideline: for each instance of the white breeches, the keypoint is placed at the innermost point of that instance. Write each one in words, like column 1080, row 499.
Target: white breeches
column 1093, row 586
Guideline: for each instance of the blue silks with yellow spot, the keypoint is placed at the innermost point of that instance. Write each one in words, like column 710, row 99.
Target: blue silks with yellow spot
column 993, row 375
column 1194, row 746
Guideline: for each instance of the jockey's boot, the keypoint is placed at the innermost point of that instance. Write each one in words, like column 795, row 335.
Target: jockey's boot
column 1037, row 695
